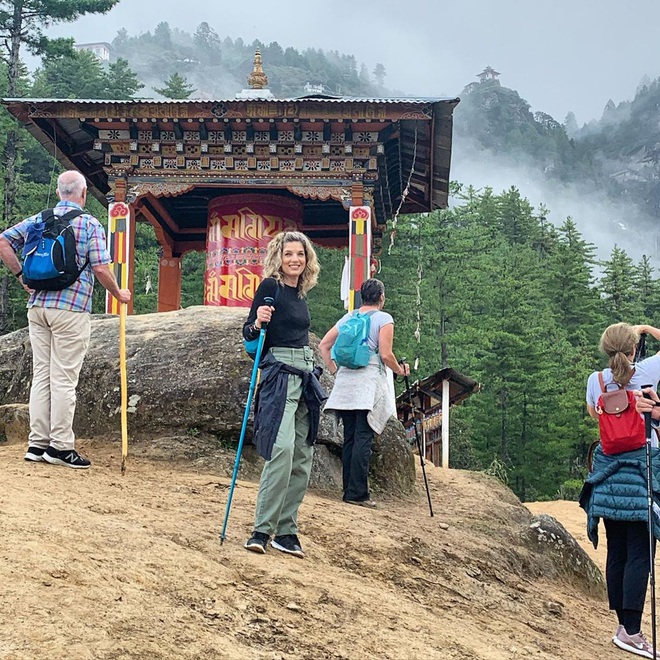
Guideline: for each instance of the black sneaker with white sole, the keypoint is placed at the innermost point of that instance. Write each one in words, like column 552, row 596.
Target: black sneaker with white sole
column 288, row 543
column 68, row 458
column 34, row 454
column 257, row 542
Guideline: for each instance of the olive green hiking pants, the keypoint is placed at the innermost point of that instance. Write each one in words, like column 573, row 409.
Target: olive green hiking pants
column 285, row 476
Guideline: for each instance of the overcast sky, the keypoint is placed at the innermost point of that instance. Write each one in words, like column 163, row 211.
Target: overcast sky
column 560, row 55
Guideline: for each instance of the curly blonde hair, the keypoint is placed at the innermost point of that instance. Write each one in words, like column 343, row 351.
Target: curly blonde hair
column 618, row 342
column 273, row 260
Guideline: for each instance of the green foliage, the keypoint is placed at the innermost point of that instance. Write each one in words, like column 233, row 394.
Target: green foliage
column 145, row 274
column 82, row 76
column 28, row 18
column 120, row 82
column 570, row 490
column 192, row 288
column 176, row 87
column 509, row 301
column 326, row 307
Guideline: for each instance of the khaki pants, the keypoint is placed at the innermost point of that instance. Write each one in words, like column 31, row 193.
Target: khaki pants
column 285, row 476
column 59, row 341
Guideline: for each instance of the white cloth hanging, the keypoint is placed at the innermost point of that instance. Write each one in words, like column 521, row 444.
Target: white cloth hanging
column 345, row 287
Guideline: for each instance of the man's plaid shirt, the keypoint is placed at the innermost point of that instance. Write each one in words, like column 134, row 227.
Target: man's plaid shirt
column 91, row 245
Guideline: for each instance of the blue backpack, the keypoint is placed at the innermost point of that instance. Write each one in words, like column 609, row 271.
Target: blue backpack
column 351, row 348
column 49, row 253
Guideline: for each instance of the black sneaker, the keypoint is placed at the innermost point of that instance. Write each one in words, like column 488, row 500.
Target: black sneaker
column 69, row 458
column 257, row 542
column 288, row 543
column 34, row 454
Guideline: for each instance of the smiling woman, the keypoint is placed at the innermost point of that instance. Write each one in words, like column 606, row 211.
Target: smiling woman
column 290, row 396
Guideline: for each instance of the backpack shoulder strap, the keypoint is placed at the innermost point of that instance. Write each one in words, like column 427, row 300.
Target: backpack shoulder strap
column 71, row 215
column 601, row 382
column 47, row 215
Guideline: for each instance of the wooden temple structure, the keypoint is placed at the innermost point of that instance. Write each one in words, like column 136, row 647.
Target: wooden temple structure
column 432, row 398
column 224, row 176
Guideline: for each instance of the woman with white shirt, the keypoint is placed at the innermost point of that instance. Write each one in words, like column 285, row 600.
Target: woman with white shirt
column 363, row 397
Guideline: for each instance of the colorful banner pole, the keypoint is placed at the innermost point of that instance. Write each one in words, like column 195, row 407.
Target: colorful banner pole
column 359, row 252
column 119, row 219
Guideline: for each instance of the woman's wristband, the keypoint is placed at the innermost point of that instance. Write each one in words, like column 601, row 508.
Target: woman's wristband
column 20, row 272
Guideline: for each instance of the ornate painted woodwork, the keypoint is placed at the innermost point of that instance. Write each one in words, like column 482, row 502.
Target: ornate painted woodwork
column 239, row 230
column 170, row 160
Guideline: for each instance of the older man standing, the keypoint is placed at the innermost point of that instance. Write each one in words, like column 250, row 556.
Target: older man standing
column 59, row 325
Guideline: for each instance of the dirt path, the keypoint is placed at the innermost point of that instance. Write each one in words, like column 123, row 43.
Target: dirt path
column 96, row 566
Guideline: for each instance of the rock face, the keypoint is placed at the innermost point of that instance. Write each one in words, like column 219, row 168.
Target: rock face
column 547, row 535
column 188, row 375
column 14, row 423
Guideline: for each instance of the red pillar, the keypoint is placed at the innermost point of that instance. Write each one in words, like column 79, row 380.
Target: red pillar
column 239, row 230
column 169, row 284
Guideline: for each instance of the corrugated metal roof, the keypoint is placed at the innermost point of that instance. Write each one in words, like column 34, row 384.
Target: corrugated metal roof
column 318, row 99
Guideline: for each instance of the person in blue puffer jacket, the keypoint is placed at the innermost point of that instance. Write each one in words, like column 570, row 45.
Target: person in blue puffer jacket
column 615, row 491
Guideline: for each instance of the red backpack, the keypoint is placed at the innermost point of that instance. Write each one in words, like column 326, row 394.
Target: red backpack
column 621, row 426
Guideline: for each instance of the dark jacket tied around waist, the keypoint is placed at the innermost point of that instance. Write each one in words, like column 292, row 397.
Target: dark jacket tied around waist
column 616, row 489
column 271, row 400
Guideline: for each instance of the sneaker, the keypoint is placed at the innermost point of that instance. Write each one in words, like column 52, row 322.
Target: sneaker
column 69, row 458
column 619, row 628
column 288, row 543
column 370, row 504
column 257, row 542
column 34, row 454
column 637, row 644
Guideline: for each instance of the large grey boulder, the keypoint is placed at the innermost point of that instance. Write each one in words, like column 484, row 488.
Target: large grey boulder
column 188, row 380
column 14, row 423
column 548, row 536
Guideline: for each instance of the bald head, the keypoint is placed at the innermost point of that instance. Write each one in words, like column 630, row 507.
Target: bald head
column 71, row 185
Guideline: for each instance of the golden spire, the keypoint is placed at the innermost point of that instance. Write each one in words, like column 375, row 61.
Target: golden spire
column 257, row 79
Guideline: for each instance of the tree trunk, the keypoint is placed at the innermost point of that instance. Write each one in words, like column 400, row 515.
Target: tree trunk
column 11, row 153
column 504, row 440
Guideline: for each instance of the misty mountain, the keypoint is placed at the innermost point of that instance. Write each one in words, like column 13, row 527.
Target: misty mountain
column 626, row 142
column 604, row 174
column 218, row 67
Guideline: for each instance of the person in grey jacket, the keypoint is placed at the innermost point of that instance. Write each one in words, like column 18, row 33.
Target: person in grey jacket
column 615, row 491
column 363, row 397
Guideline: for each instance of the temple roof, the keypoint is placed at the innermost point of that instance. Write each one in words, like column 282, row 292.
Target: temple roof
column 400, row 148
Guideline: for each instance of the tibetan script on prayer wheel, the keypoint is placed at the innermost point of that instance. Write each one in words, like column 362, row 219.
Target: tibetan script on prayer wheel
column 239, row 230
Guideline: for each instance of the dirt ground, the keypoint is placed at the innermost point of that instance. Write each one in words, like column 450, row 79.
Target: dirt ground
column 98, row 566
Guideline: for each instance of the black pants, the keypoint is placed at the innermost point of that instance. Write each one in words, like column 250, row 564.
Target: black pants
column 628, row 565
column 356, row 454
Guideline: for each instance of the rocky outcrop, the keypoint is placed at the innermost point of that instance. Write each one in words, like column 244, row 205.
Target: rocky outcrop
column 188, row 378
column 549, row 537
column 14, row 423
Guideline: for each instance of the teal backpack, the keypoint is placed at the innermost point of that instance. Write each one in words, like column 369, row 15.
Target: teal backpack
column 351, row 348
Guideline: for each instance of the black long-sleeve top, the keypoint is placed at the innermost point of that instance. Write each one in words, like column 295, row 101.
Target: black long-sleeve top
column 289, row 324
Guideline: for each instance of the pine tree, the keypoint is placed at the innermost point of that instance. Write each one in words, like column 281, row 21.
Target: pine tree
column 78, row 76
column 207, row 43
column 121, row 82
column 379, row 74
column 176, row 87
column 618, row 287
column 570, row 283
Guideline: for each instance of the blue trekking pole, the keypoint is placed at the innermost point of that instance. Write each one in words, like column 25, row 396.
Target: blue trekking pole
column 253, row 381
